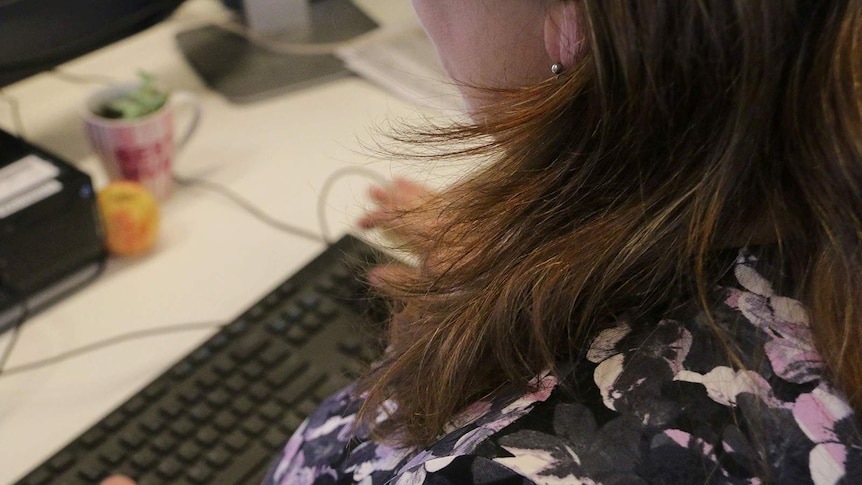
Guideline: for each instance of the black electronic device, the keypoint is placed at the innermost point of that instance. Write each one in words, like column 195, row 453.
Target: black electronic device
column 51, row 239
column 222, row 413
column 36, row 35
column 50, row 236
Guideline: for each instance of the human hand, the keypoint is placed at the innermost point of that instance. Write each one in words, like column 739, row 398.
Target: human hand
column 402, row 211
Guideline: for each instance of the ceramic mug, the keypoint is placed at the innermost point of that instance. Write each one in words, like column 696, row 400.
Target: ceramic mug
column 141, row 149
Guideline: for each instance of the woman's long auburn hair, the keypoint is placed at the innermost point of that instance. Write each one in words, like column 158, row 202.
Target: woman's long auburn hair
column 685, row 127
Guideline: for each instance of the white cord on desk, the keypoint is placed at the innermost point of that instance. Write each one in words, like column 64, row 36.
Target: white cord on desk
column 225, row 191
column 100, row 344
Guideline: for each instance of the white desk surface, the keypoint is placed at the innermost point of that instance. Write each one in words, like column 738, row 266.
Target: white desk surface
column 213, row 260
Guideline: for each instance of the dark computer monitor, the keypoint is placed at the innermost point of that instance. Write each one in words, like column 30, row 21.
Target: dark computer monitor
column 36, row 35
column 245, row 71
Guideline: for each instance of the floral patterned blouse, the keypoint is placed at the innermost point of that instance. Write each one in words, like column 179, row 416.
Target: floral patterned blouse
column 654, row 403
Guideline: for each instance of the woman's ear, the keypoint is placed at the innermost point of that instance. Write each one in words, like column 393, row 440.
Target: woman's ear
column 563, row 35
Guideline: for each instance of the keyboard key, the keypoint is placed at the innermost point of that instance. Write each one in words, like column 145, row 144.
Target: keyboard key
column 218, row 398
column 225, row 421
column 200, row 473
column 132, row 439
column 237, row 327
column 218, row 341
column 242, row 406
column 169, row 468
column 163, row 443
column 326, row 286
column 236, row 441
column 170, row 407
column 271, row 411
column 113, row 421
column 245, row 464
column 311, row 322
column 327, row 310
column 351, row 344
column 235, row 384
column 201, row 412
column 253, row 370
column 292, row 313
column 144, row 460
column 125, row 469
column 254, row 426
column 223, row 365
column 285, row 371
column 151, row 422
column 61, row 461
column 309, row 301
column 156, row 389
column 307, row 406
column 112, row 453
column 341, row 274
column 92, row 470
column 300, row 387
column 201, row 355
column 218, row 457
column 188, row 451
column 207, row 436
column 354, row 368
column 258, row 391
column 296, row 334
column 292, row 421
column 190, row 394
column 39, row 477
column 256, row 312
column 207, row 379
column 183, row 427
column 150, row 479
column 248, row 346
column 278, row 326
column 92, row 438
column 272, row 299
column 273, row 355
column 182, row 370
column 275, row 437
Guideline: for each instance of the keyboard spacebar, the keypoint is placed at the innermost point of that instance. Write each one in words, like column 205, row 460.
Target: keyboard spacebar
column 244, row 466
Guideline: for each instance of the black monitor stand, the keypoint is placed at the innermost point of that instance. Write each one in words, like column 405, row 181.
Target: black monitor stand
column 245, row 72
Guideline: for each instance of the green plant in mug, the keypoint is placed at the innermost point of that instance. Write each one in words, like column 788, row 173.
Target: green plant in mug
column 137, row 103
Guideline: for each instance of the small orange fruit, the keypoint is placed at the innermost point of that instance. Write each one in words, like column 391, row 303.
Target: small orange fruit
column 130, row 216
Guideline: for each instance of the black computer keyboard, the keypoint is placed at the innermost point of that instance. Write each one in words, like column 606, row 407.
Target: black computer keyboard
column 222, row 413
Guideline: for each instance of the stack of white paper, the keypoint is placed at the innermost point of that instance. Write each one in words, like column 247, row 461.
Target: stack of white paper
column 403, row 61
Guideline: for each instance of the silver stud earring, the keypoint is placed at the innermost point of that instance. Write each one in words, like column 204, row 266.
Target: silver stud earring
column 557, row 69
